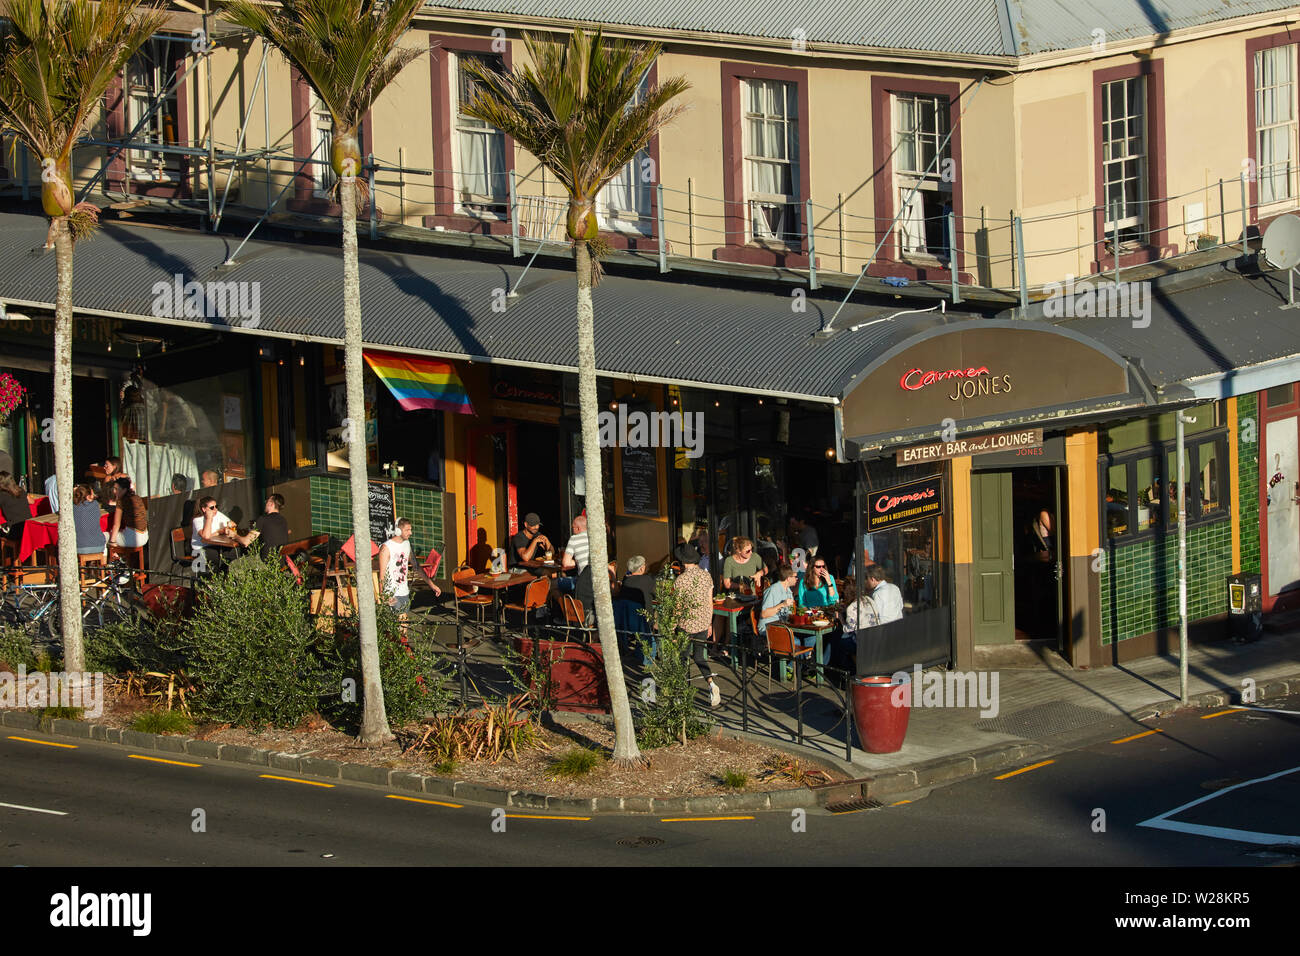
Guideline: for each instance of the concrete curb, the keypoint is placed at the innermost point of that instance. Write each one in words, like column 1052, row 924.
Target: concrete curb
column 919, row 776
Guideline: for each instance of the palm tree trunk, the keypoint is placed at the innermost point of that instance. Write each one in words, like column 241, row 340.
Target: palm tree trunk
column 374, row 721
column 625, row 749
column 74, row 656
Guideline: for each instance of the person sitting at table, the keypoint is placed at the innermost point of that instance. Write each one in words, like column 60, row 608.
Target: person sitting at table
column 817, row 589
column 780, row 595
column 638, row 586
column 275, row 530
column 530, row 544
column 742, row 566
column 576, row 554
column 208, row 479
column 86, row 513
column 14, row 509
column 886, row 597
column 180, row 484
column 214, row 534
column 130, row 528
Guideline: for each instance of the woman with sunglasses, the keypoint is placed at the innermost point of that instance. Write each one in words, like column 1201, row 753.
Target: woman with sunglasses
column 742, row 565
column 214, row 533
column 817, row 588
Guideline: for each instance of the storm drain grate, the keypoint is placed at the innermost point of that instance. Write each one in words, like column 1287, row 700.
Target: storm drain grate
column 853, row 806
column 1043, row 720
column 642, row 842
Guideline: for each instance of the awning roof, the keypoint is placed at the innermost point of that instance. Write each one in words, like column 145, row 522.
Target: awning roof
column 671, row 329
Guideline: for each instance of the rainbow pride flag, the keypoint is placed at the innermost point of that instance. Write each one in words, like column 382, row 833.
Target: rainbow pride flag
column 421, row 382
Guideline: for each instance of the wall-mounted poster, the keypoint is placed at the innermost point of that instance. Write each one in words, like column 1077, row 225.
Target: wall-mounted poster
column 232, row 417
column 232, row 448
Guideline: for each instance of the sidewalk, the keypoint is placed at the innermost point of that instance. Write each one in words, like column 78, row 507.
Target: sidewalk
column 1042, row 706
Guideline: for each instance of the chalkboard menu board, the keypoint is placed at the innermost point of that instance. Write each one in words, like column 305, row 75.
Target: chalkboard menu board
column 382, row 510
column 640, row 468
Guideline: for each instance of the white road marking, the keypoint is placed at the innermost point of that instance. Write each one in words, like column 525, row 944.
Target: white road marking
column 17, row 806
column 1268, row 710
column 1223, row 833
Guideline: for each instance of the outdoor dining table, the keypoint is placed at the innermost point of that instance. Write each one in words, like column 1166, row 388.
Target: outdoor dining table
column 731, row 608
column 817, row 631
column 496, row 583
column 43, row 532
column 542, row 569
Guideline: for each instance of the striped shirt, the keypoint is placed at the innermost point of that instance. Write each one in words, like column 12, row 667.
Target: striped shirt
column 578, row 549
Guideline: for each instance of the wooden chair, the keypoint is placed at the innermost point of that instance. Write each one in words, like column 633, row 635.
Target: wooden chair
column 575, row 615
column 535, row 596
column 781, row 643
column 134, row 558
column 181, row 551
column 467, row 594
column 95, row 561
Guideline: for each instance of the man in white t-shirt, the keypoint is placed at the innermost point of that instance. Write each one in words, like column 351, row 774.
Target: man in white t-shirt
column 576, row 554
column 395, row 566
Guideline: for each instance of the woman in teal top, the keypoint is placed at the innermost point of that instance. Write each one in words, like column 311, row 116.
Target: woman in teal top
column 817, row 587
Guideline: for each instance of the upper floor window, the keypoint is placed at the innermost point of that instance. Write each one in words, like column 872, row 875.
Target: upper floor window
column 479, row 151
column 1124, row 158
column 322, row 144
column 625, row 203
column 152, row 108
column 771, row 145
column 922, row 170
column 1275, row 122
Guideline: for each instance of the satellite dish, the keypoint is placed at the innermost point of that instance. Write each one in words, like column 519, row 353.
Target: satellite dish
column 1282, row 242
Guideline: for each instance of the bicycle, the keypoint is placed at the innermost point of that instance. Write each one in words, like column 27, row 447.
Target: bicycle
column 109, row 598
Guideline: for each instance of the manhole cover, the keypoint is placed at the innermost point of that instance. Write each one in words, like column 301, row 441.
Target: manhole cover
column 641, row 842
column 1043, row 720
column 852, row 806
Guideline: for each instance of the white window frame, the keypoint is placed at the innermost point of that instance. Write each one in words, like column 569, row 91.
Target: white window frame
column 322, row 141
column 481, row 205
column 1121, row 129
column 929, row 183
column 142, row 80
column 1269, row 175
column 638, row 219
column 757, row 228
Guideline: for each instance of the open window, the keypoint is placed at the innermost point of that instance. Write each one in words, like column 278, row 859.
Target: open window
column 479, row 151
column 626, row 203
column 922, row 170
column 152, row 102
column 771, row 145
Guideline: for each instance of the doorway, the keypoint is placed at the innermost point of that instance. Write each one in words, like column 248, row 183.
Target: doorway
column 1017, row 585
column 538, row 453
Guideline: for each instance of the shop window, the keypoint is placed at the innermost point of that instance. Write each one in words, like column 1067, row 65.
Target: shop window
column 1275, row 123
column 1141, row 490
column 480, row 152
column 1280, row 395
column 771, row 144
column 152, row 109
column 920, row 127
column 303, row 430
column 625, row 203
column 270, row 418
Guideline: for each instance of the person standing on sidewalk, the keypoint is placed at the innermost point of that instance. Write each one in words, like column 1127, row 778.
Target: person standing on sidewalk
column 694, row 588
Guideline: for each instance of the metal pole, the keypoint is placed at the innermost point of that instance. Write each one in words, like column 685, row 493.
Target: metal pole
column 239, row 147
column 514, row 293
column 659, row 215
column 1244, row 211
column 401, row 186
column 1115, row 248
column 212, row 143
column 1020, row 262
column 374, row 206
column 952, row 256
column 1223, row 216
column 514, row 215
column 812, row 244
column 1179, row 417
column 266, row 133
column 839, row 207
column 690, row 217
column 744, row 686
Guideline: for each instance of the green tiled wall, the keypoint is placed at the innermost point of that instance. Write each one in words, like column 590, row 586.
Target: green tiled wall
column 331, row 511
column 1139, row 588
column 1247, row 490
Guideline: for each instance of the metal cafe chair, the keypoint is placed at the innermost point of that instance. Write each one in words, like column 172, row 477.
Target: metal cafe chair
column 467, row 594
column 575, row 615
column 781, row 644
column 534, row 598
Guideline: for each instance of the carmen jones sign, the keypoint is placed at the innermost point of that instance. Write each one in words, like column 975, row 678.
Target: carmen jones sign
column 969, row 381
column 904, row 503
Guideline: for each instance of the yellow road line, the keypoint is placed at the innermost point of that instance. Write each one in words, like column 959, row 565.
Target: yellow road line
column 1032, row 766
column 44, row 743
column 535, row 816
column 900, row 803
column 1220, row 713
column 1145, row 733
column 310, row 783
column 436, row 803
column 699, row 819
column 174, row 763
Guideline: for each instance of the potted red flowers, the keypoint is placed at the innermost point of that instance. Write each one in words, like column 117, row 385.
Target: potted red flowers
column 11, row 396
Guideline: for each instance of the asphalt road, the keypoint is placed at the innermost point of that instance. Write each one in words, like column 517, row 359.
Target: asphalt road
column 1104, row 804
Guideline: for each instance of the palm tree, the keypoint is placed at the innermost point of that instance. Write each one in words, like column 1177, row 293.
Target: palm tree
column 57, row 59
column 347, row 52
column 576, row 109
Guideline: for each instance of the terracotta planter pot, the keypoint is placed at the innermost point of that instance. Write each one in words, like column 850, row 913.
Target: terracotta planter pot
column 881, row 725
column 577, row 673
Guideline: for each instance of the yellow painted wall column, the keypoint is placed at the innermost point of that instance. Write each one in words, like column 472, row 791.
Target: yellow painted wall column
column 1234, row 466
column 1083, row 500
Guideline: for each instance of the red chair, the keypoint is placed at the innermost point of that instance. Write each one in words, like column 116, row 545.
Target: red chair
column 575, row 615
column 534, row 597
column 467, row 594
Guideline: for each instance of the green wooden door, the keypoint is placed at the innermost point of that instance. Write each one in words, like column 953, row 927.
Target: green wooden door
column 993, row 598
